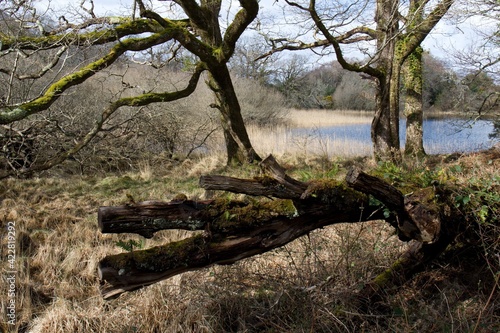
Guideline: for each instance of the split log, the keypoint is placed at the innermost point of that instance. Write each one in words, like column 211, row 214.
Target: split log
column 236, row 233
column 277, row 184
column 234, row 230
column 385, row 192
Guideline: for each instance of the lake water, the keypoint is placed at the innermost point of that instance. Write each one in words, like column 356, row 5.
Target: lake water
column 441, row 136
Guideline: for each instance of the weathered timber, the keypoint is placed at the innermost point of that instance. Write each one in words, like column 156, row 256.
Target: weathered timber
column 383, row 191
column 424, row 213
column 259, row 187
column 415, row 216
column 234, row 230
column 276, row 184
column 225, row 242
column 271, row 167
column 146, row 218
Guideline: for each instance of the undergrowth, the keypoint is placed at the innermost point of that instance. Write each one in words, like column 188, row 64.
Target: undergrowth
column 306, row 286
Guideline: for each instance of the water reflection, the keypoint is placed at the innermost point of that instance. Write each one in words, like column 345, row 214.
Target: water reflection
column 441, row 136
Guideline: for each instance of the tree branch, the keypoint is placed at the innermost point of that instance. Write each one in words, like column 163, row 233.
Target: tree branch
column 121, row 27
column 243, row 18
column 415, row 36
column 140, row 100
column 235, row 230
column 18, row 112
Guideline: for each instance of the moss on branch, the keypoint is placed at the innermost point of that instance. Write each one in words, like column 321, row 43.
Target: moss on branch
column 120, row 27
column 167, row 257
column 9, row 115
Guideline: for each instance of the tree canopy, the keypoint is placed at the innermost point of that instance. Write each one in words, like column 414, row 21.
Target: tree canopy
column 198, row 31
column 39, row 55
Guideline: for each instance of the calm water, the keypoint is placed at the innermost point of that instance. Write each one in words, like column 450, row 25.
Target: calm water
column 441, row 136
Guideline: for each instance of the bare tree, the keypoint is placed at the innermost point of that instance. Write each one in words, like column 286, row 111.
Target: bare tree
column 482, row 55
column 399, row 29
column 26, row 34
column 480, row 61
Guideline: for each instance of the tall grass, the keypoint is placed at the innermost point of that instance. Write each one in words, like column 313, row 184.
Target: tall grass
column 320, row 118
column 282, row 140
column 305, row 286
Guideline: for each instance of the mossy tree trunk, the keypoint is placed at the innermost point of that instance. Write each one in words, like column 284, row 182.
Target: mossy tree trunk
column 413, row 85
column 413, row 108
column 397, row 36
column 238, row 146
column 234, row 230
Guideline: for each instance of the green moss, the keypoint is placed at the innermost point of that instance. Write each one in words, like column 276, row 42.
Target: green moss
column 240, row 218
column 160, row 258
column 218, row 53
column 384, row 278
column 334, row 193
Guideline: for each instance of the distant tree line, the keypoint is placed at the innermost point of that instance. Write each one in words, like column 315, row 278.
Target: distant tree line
column 329, row 86
column 109, row 87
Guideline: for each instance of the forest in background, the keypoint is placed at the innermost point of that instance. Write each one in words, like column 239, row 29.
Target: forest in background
column 95, row 113
column 190, row 127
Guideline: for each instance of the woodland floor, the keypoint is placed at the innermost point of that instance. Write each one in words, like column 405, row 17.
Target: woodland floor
column 305, row 286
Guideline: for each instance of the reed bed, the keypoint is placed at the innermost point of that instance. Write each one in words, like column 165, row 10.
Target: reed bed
column 322, row 118
column 281, row 140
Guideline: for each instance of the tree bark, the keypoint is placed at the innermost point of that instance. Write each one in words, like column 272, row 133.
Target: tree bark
column 412, row 84
column 385, row 124
column 238, row 146
column 206, row 20
column 414, row 145
column 234, row 230
column 146, row 218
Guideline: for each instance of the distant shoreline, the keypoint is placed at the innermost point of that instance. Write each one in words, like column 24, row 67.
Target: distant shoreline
column 298, row 118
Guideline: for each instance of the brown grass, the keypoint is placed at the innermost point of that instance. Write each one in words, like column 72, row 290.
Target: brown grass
column 279, row 140
column 319, row 118
column 305, row 286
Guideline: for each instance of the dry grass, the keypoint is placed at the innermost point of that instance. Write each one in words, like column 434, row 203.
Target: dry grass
column 320, row 118
column 281, row 141
column 305, row 286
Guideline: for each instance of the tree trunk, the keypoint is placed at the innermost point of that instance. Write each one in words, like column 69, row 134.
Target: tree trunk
column 385, row 125
column 238, row 145
column 414, row 146
column 234, row 230
column 412, row 84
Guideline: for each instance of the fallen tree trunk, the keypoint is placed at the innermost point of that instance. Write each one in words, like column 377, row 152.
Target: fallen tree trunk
column 234, row 230
column 146, row 218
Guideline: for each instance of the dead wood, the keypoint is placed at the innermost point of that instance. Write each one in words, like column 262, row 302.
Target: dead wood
column 234, row 230
column 146, row 218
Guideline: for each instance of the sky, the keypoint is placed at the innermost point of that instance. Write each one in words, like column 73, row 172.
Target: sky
column 447, row 36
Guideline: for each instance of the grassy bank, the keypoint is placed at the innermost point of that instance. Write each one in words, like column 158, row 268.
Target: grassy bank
column 305, row 286
column 279, row 140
